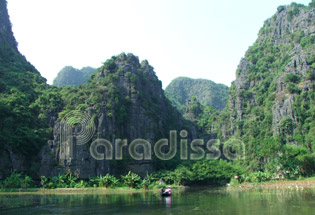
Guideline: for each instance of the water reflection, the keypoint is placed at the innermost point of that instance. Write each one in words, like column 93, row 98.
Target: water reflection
column 167, row 201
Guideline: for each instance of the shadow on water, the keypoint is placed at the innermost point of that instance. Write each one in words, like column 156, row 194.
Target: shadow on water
column 196, row 200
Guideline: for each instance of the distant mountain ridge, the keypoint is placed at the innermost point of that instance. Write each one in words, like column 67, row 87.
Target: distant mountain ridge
column 207, row 92
column 70, row 76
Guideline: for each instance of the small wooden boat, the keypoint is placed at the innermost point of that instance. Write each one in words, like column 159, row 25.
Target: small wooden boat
column 166, row 194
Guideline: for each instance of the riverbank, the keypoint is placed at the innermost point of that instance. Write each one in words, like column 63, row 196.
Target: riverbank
column 73, row 191
column 283, row 184
column 89, row 190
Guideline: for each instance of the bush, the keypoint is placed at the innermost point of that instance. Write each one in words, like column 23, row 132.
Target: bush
column 131, row 180
column 310, row 74
column 286, row 126
column 61, row 181
column 107, row 181
column 280, row 8
column 292, row 88
column 307, row 41
column 261, row 176
column 293, row 12
column 16, row 180
column 307, row 163
column 292, row 78
column 110, row 64
column 311, row 59
column 81, row 184
column 256, row 177
column 182, row 175
column 145, row 183
column 215, row 171
column 292, row 158
column 44, row 181
column 234, row 182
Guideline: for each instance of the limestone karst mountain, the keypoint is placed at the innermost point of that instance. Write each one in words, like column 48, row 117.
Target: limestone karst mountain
column 271, row 102
column 207, row 92
column 70, row 76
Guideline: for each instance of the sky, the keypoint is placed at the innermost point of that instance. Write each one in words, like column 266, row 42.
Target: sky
column 192, row 38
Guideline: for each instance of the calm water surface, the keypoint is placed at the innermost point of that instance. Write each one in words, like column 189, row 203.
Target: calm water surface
column 190, row 201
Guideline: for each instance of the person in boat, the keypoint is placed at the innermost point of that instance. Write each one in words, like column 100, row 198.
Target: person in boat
column 163, row 190
column 169, row 190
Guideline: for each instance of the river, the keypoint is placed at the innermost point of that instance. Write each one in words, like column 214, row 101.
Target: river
column 189, row 201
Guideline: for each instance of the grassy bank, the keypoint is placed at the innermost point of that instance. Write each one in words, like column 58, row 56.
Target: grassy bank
column 87, row 190
column 279, row 184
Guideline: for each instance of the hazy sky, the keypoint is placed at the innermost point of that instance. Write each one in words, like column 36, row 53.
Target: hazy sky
column 193, row 38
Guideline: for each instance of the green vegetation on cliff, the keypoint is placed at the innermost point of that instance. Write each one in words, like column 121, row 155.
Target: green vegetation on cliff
column 207, row 92
column 70, row 76
column 271, row 103
column 25, row 99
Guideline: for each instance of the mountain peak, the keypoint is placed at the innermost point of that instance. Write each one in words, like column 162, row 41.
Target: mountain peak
column 207, row 92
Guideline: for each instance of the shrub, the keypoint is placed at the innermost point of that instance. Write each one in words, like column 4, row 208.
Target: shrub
column 293, row 12
column 107, row 180
column 131, row 180
column 110, row 64
column 293, row 88
column 145, row 183
column 44, row 181
column 286, row 125
column 307, row 41
column 81, row 184
column 16, row 180
column 182, row 175
column 234, row 182
column 61, row 181
column 307, row 163
column 215, row 171
column 26, row 183
column 262, row 176
column 292, row 78
column 310, row 74
column 291, row 159
column 280, row 8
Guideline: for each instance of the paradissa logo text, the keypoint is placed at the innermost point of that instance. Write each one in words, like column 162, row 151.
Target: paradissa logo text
column 141, row 149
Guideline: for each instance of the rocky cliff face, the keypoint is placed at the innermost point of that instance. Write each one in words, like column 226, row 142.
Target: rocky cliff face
column 131, row 105
column 273, row 94
column 6, row 34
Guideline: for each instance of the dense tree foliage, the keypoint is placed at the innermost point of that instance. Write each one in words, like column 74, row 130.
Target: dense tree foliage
column 25, row 102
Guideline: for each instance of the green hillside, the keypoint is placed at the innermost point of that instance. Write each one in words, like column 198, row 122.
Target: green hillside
column 69, row 76
column 207, row 92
